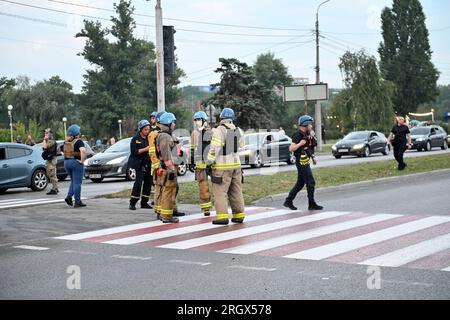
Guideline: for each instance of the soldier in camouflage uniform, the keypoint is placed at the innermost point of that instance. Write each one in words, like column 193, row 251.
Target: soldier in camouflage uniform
column 50, row 148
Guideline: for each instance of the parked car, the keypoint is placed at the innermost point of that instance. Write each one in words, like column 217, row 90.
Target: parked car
column 429, row 137
column 183, row 143
column 21, row 166
column 111, row 163
column 266, row 147
column 361, row 144
column 60, row 170
column 448, row 140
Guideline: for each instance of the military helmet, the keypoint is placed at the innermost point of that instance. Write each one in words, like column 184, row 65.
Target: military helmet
column 304, row 121
column 73, row 130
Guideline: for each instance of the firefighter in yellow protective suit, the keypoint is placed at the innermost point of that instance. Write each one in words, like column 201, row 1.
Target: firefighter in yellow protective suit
column 154, row 158
column 226, row 175
column 199, row 148
column 167, row 173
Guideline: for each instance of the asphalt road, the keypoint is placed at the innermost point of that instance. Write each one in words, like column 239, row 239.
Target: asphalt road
column 108, row 271
column 91, row 190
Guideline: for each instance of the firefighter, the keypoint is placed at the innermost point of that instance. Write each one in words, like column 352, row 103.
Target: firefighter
column 139, row 160
column 199, row 148
column 167, row 173
column 155, row 161
column 154, row 125
column 223, row 157
column 303, row 144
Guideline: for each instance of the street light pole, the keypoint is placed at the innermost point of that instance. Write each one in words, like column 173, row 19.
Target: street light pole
column 120, row 129
column 10, row 109
column 318, row 115
column 65, row 129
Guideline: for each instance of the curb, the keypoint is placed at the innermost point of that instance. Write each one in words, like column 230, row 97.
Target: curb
column 363, row 184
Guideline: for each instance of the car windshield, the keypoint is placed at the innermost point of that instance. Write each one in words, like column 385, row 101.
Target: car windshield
column 121, row 146
column 356, row 136
column 420, row 131
column 252, row 139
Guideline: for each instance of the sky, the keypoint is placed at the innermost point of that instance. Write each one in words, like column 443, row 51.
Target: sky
column 40, row 43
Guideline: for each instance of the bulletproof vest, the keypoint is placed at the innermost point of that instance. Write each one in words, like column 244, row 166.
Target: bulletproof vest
column 53, row 150
column 69, row 147
column 203, row 144
column 232, row 141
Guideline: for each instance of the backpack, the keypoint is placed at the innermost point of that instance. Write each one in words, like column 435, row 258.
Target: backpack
column 233, row 135
column 69, row 149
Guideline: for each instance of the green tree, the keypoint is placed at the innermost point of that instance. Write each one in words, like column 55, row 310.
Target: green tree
column 239, row 90
column 406, row 55
column 366, row 102
column 123, row 83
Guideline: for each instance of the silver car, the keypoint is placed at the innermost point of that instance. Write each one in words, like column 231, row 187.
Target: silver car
column 21, row 166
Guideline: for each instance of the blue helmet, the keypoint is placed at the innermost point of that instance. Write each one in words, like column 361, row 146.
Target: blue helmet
column 304, row 121
column 73, row 130
column 167, row 118
column 200, row 115
column 142, row 124
column 227, row 113
column 154, row 114
column 158, row 116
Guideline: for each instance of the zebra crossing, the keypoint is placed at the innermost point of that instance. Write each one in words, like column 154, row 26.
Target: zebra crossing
column 389, row 240
column 23, row 202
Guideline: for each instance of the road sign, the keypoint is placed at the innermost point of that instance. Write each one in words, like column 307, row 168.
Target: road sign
column 309, row 92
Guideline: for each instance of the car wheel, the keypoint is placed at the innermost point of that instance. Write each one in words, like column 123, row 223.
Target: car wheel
column 338, row 156
column 182, row 169
column 130, row 175
column 39, row 180
column 428, row 146
column 97, row 180
column 258, row 162
column 444, row 146
column 366, row 152
column 292, row 159
column 3, row 190
column 387, row 150
column 62, row 177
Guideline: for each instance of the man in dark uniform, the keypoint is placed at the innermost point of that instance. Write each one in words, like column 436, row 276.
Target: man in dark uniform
column 401, row 140
column 303, row 148
column 140, row 161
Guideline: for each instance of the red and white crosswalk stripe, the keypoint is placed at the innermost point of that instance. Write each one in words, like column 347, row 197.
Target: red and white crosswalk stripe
column 390, row 240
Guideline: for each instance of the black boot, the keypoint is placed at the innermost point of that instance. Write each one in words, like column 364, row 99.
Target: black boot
column 176, row 213
column 237, row 220
column 169, row 220
column 79, row 205
column 313, row 206
column 222, row 222
column 69, row 201
column 145, row 205
column 52, row 192
column 290, row 205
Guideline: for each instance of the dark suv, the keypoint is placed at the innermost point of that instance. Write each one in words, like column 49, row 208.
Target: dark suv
column 427, row 138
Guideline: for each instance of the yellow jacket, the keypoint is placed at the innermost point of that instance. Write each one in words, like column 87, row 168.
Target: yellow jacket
column 219, row 141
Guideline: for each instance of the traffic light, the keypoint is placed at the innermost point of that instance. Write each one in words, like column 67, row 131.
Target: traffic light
column 169, row 51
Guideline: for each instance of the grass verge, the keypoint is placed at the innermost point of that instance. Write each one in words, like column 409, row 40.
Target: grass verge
column 260, row 186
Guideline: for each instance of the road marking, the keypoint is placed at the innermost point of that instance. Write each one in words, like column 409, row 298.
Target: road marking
column 446, row 269
column 191, row 262
column 117, row 256
column 80, row 252
column 411, row 253
column 183, row 230
column 340, row 247
column 252, row 268
column 32, row 248
column 250, row 231
column 424, row 284
column 25, row 203
column 307, row 234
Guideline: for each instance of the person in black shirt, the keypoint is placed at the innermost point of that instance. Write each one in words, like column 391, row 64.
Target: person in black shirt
column 140, row 161
column 400, row 139
column 303, row 144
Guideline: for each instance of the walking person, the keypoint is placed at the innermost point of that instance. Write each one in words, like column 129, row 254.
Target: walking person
column 303, row 143
column 30, row 141
column 74, row 157
column 223, row 157
column 140, row 161
column 400, row 139
column 49, row 146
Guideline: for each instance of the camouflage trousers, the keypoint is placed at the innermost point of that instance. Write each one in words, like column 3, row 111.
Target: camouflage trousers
column 50, row 167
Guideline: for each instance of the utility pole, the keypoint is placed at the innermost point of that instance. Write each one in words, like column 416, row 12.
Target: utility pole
column 160, row 58
column 318, row 114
